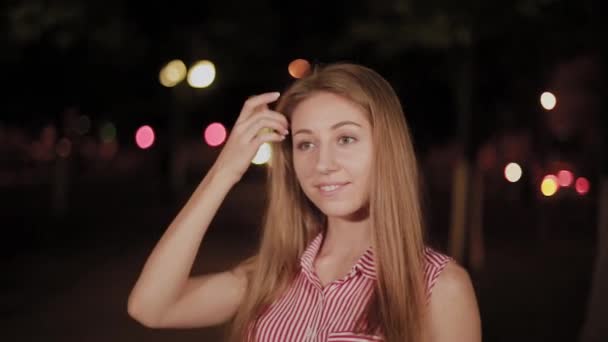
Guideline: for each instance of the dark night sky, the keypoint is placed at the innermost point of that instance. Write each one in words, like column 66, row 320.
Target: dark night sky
column 116, row 76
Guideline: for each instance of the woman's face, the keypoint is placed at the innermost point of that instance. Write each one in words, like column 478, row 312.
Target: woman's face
column 332, row 153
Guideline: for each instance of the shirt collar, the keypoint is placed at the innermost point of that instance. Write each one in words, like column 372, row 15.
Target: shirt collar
column 365, row 265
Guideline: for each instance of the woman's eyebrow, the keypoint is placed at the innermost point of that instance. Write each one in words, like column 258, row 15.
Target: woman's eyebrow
column 334, row 126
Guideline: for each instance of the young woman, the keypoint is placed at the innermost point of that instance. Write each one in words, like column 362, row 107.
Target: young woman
column 342, row 255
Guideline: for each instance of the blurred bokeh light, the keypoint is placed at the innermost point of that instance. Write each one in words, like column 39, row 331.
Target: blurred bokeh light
column 201, row 74
column 549, row 186
column 299, row 68
column 513, row 172
column 582, row 185
column 548, row 100
column 565, row 178
column 263, row 155
column 172, row 73
column 215, row 134
column 144, row 137
column 107, row 132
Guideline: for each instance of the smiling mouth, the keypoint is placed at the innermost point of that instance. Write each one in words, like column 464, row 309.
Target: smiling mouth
column 331, row 189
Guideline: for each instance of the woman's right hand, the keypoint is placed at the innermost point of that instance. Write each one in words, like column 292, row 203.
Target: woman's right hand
column 253, row 127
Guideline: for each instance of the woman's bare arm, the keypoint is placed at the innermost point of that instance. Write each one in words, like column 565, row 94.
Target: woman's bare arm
column 165, row 295
column 164, row 280
column 453, row 309
column 219, row 296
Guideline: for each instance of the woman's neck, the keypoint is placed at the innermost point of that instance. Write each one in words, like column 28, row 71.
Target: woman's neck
column 346, row 238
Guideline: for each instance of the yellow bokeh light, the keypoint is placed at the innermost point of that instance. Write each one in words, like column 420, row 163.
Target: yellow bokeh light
column 201, row 74
column 549, row 186
column 548, row 100
column 263, row 155
column 172, row 73
column 513, row 172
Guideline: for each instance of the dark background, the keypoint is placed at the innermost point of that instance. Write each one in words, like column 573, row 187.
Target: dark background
column 77, row 229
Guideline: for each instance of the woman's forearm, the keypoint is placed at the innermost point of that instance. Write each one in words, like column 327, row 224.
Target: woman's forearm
column 169, row 265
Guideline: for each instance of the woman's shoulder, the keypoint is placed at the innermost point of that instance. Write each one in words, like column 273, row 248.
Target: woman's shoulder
column 453, row 306
column 435, row 258
column 435, row 263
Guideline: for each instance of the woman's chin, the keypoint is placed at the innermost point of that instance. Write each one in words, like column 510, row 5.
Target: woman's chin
column 345, row 211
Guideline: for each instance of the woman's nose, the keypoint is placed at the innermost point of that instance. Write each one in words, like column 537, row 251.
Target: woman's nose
column 326, row 161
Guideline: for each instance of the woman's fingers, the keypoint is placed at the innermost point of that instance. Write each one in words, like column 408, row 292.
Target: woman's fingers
column 262, row 138
column 246, row 135
column 263, row 122
column 252, row 104
column 265, row 126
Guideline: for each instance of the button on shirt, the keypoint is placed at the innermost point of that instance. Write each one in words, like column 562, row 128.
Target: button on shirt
column 307, row 311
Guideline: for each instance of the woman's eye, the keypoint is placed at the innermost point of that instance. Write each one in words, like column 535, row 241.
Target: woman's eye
column 302, row 145
column 342, row 139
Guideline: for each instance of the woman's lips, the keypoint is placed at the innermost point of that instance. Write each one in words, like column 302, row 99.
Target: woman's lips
column 333, row 190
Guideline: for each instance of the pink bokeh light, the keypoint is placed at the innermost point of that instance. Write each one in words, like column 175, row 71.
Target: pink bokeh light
column 582, row 185
column 144, row 137
column 215, row 134
column 565, row 178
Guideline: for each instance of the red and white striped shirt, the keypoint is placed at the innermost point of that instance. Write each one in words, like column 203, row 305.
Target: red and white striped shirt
column 307, row 311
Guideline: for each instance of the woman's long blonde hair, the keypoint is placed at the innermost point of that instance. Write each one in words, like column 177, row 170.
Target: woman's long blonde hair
column 291, row 221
